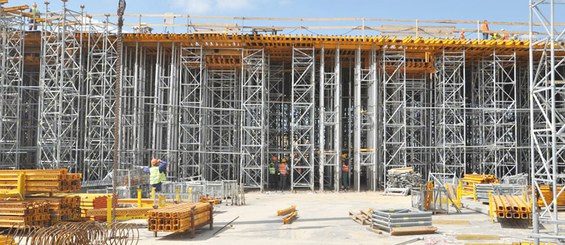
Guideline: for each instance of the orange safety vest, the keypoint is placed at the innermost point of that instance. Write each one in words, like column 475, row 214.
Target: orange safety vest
column 282, row 168
column 484, row 27
column 344, row 167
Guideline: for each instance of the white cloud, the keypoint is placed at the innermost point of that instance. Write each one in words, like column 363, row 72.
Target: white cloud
column 213, row 6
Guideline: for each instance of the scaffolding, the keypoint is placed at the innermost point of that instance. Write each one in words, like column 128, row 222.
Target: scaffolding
column 100, row 102
column 330, row 126
column 394, row 109
column 11, row 82
column 547, row 117
column 302, row 118
column 60, row 85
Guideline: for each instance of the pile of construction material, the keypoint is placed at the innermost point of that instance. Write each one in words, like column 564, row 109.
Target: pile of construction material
column 40, row 181
column 481, row 192
column 401, row 180
column 61, row 208
column 509, row 207
column 364, row 217
column 547, row 194
column 403, row 222
column 290, row 212
column 470, row 180
column 181, row 218
column 23, row 213
column 7, row 240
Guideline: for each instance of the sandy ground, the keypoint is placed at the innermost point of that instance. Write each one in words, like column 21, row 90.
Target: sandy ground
column 324, row 219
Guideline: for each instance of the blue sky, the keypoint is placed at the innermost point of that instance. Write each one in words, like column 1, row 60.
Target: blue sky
column 492, row 10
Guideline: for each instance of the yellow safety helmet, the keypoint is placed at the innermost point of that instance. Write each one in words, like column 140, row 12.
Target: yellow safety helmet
column 284, row 159
column 344, row 155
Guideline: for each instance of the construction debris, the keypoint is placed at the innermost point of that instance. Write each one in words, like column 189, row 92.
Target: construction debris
column 181, row 218
column 290, row 218
column 400, row 180
column 286, row 210
column 363, row 217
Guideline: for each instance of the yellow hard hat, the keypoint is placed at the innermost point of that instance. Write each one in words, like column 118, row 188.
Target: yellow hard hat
column 154, row 161
column 344, row 155
column 284, row 159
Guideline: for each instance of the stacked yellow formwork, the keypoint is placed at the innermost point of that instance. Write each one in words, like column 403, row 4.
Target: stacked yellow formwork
column 181, row 218
column 40, row 181
column 470, row 180
column 547, row 194
column 63, row 208
column 23, row 213
column 7, row 240
column 509, row 207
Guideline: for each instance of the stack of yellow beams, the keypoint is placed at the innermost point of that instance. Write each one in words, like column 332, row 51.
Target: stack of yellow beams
column 120, row 212
column 470, row 180
column 61, row 208
column 511, row 207
column 180, row 217
column 23, row 213
column 87, row 202
column 41, row 181
column 7, row 240
column 547, row 194
column 212, row 200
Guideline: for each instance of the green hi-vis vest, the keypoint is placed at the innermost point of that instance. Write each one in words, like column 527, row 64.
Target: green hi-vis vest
column 162, row 177
column 272, row 169
column 154, row 175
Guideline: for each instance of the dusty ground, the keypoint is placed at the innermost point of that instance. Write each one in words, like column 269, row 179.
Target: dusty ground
column 323, row 219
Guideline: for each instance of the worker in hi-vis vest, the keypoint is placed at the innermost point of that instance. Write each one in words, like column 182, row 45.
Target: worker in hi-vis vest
column 35, row 14
column 157, row 173
column 273, row 172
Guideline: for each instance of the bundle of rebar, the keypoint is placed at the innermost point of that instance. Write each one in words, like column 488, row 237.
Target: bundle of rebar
column 180, row 217
column 387, row 220
column 24, row 213
column 61, row 208
column 41, row 181
column 482, row 191
column 470, row 180
column 510, row 207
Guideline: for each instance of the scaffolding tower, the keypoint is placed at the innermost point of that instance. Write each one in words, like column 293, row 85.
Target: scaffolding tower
column 302, row 118
column 394, row 108
column 60, row 84
column 253, row 119
column 100, row 102
column 547, row 117
column 330, row 125
column 11, row 82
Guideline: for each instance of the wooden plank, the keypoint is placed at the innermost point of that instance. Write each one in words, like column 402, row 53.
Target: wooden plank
column 377, row 231
column 415, row 230
column 451, row 221
column 477, row 237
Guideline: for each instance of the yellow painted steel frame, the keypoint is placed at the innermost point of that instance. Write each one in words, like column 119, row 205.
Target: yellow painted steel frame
column 139, row 198
column 20, row 190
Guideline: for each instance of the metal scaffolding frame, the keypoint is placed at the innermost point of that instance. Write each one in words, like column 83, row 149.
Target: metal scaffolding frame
column 190, row 111
column 364, row 118
column 100, row 103
column 498, row 101
column 417, row 145
column 134, row 77
column 11, row 82
column 302, row 118
column 330, row 125
column 394, row 108
column 60, row 85
column 221, row 125
column 252, row 162
column 451, row 135
column 547, row 117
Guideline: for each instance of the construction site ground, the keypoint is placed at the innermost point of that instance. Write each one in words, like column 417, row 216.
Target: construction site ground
column 324, row 219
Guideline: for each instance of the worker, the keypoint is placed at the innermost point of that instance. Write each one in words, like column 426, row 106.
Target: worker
column 344, row 171
column 273, row 172
column 462, row 36
column 283, row 173
column 157, row 173
column 485, row 28
column 496, row 36
column 505, row 35
column 35, row 14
